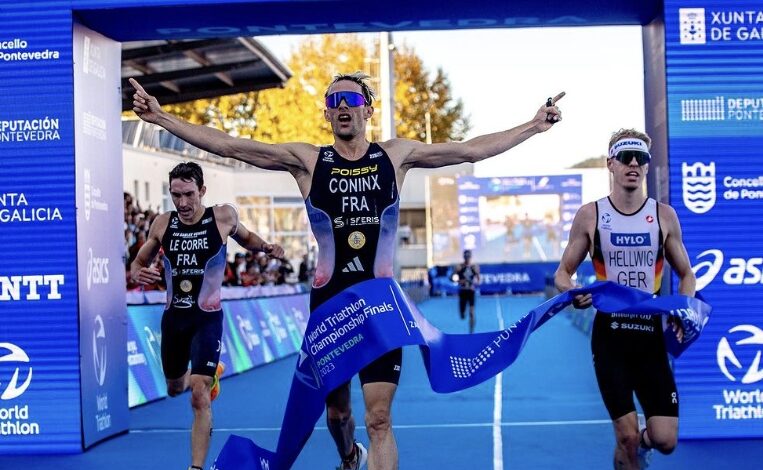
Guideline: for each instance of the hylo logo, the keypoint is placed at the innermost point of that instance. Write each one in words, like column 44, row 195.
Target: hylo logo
column 13, row 390
column 745, row 347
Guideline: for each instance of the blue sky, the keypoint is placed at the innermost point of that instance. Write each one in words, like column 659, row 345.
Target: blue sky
column 503, row 76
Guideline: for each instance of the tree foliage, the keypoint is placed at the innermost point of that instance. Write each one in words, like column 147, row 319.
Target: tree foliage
column 593, row 162
column 294, row 113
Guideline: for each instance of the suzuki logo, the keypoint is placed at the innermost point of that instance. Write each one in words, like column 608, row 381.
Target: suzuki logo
column 726, row 354
column 13, row 390
column 99, row 350
column 713, row 267
column 698, row 186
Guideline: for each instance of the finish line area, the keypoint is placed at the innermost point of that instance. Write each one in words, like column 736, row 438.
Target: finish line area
column 543, row 412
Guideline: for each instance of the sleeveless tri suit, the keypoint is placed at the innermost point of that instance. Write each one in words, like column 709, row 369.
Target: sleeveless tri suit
column 629, row 350
column 194, row 266
column 353, row 207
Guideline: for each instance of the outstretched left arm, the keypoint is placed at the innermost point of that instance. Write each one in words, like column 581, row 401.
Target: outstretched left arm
column 414, row 154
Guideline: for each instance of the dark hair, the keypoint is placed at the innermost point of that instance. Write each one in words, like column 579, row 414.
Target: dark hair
column 467, row 253
column 361, row 79
column 188, row 171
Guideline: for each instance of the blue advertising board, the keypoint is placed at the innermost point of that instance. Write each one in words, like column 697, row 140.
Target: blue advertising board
column 102, row 311
column 39, row 335
column 714, row 55
column 256, row 331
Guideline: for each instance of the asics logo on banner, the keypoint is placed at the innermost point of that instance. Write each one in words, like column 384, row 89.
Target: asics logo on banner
column 630, row 239
column 692, row 24
column 740, row 271
column 698, row 182
column 99, row 350
column 12, row 389
column 264, row 464
column 745, row 347
column 97, row 269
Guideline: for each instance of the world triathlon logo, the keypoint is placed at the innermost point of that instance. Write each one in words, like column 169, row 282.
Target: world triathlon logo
column 741, row 363
column 692, row 25
column 12, row 389
column 99, row 350
column 698, row 186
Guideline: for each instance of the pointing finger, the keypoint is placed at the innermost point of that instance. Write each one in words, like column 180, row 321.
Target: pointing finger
column 557, row 97
column 137, row 86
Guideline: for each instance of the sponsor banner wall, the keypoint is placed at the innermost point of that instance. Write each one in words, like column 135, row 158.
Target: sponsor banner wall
column 39, row 337
column 100, row 246
column 715, row 111
column 255, row 332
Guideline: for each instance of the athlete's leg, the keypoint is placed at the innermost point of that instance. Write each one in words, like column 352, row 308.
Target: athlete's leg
column 661, row 433
column 383, row 448
column 656, row 391
column 205, row 355
column 462, row 303
column 202, row 418
column 340, row 421
column 472, row 318
column 177, row 386
column 627, row 441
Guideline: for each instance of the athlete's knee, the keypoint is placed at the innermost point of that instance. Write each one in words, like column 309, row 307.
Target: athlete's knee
column 664, row 441
column 628, row 441
column 378, row 421
column 175, row 388
column 200, row 398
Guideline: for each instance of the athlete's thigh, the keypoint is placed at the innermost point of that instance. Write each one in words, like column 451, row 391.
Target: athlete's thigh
column 655, row 386
column 206, row 344
column 385, row 368
column 175, row 345
column 613, row 375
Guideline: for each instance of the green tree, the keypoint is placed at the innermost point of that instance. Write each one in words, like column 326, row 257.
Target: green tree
column 593, row 162
column 294, row 113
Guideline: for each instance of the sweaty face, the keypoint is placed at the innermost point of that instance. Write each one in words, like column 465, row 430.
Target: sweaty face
column 186, row 197
column 631, row 176
column 347, row 122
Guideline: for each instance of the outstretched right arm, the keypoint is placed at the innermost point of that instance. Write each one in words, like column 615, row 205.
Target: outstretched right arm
column 292, row 157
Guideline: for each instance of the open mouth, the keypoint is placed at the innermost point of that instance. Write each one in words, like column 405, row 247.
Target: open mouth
column 633, row 174
column 344, row 118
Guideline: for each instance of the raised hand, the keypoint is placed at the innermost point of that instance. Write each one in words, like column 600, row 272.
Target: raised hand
column 144, row 105
column 549, row 114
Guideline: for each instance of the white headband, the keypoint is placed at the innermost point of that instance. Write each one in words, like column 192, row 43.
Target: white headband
column 628, row 143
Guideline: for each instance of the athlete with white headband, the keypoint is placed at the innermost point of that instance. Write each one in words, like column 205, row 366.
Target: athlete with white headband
column 629, row 236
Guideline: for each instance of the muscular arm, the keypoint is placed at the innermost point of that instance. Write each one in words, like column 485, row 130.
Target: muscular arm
column 577, row 248
column 140, row 269
column 675, row 252
column 292, row 157
column 227, row 217
column 415, row 154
